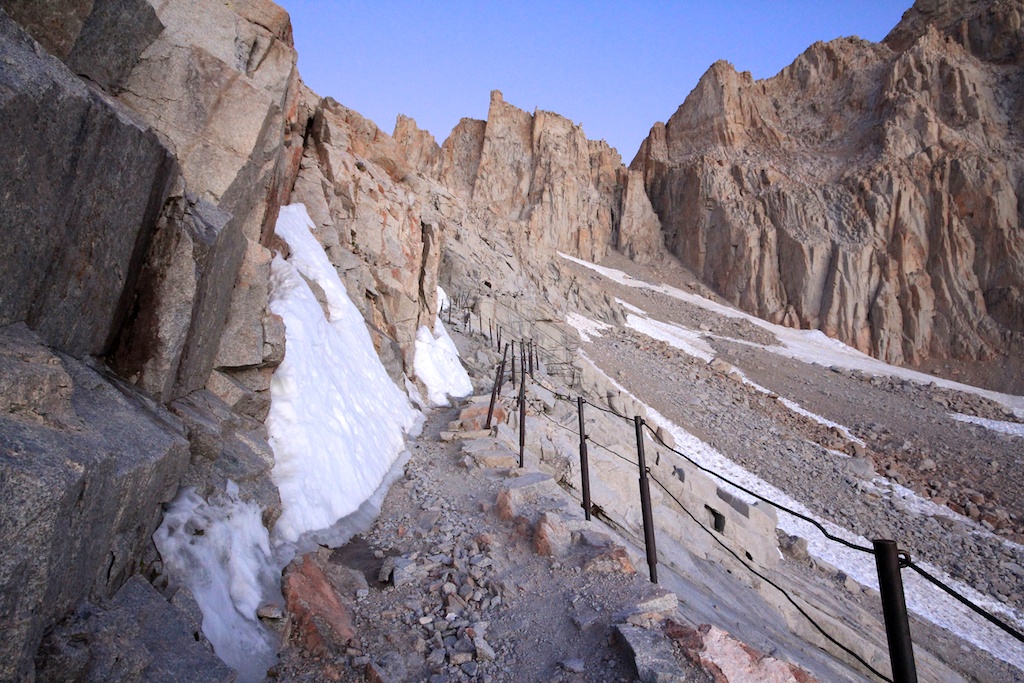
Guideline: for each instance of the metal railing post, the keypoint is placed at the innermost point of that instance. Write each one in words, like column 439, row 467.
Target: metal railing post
column 584, row 462
column 498, row 377
column 645, row 501
column 522, row 419
column 894, row 609
column 513, row 363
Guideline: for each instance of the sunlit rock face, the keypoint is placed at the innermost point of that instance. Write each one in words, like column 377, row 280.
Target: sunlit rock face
column 868, row 190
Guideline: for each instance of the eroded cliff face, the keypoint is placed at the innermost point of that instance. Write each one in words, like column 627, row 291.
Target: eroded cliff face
column 540, row 180
column 868, row 190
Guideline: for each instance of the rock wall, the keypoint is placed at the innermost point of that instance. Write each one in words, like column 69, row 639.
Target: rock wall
column 539, row 179
column 867, row 190
column 144, row 159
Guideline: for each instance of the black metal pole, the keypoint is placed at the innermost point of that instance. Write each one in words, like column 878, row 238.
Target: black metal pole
column 894, row 609
column 494, row 391
column 522, row 419
column 531, row 358
column 513, row 363
column 584, row 463
column 490, row 332
column 645, row 501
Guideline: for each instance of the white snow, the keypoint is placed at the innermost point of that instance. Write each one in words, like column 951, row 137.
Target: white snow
column 692, row 343
column 685, row 340
column 1012, row 428
column 922, row 598
column 221, row 551
column 810, row 346
column 586, row 327
column 336, row 421
column 437, row 362
column 336, row 424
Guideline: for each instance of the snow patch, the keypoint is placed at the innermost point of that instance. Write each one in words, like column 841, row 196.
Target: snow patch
column 1012, row 428
column 809, row 346
column 922, row 598
column 336, row 421
column 685, row 340
column 586, row 327
column 437, row 364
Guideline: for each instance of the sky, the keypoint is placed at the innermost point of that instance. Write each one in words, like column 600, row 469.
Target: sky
column 614, row 67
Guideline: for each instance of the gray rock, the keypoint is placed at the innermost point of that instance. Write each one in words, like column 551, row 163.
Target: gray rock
column 113, row 36
column 227, row 446
column 137, row 636
column 652, row 653
column 79, row 504
column 71, row 255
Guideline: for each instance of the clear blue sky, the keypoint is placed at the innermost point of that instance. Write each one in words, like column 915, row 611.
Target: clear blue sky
column 615, row 67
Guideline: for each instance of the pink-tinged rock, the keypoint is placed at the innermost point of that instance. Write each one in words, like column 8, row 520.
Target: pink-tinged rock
column 320, row 623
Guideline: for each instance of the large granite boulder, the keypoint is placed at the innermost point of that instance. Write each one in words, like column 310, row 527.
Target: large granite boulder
column 85, row 463
column 72, row 253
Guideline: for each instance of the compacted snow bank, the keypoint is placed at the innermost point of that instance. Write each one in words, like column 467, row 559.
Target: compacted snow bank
column 337, row 425
column 337, row 422
column 437, row 361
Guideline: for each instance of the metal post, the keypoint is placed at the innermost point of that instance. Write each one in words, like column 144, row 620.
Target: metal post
column 894, row 609
column 531, row 358
column 522, row 362
column 494, row 392
column 499, row 336
column 522, row 419
column 645, row 501
column 513, row 363
column 584, row 463
column 490, row 332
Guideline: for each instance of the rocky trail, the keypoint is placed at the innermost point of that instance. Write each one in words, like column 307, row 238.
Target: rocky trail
column 477, row 570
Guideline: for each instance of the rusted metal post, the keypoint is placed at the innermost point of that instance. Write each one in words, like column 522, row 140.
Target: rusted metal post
column 522, row 419
column 894, row 609
column 645, row 501
column 584, row 462
column 498, row 381
column 513, row 363
column 499, row 336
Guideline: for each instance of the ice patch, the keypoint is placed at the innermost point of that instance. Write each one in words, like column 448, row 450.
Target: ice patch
column 221, row 551
column 1011, row 428
column 336, row 419
column 586, row 327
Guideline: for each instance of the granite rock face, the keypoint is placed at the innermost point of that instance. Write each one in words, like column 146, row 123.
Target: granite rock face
column 71, row 256
column 539, row 175
column 85, row 463
column 867, row 190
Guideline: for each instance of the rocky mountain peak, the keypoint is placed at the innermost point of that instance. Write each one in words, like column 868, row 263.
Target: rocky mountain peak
column 988, row 29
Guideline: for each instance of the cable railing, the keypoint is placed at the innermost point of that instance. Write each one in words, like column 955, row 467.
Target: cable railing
column 889, row 559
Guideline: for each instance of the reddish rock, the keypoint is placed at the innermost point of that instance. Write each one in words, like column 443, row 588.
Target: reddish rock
column 320, row 623
column 612, row 561
column 503, row 506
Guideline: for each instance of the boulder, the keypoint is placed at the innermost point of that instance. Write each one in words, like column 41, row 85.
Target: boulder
column 319, row 620
column 85, row 465
column 137, row 635
column 71, row 256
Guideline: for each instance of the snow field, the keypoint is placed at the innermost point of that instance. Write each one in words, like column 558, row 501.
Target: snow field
column 809, row 346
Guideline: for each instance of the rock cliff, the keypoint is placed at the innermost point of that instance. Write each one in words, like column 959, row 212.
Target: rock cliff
column 867, row 190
